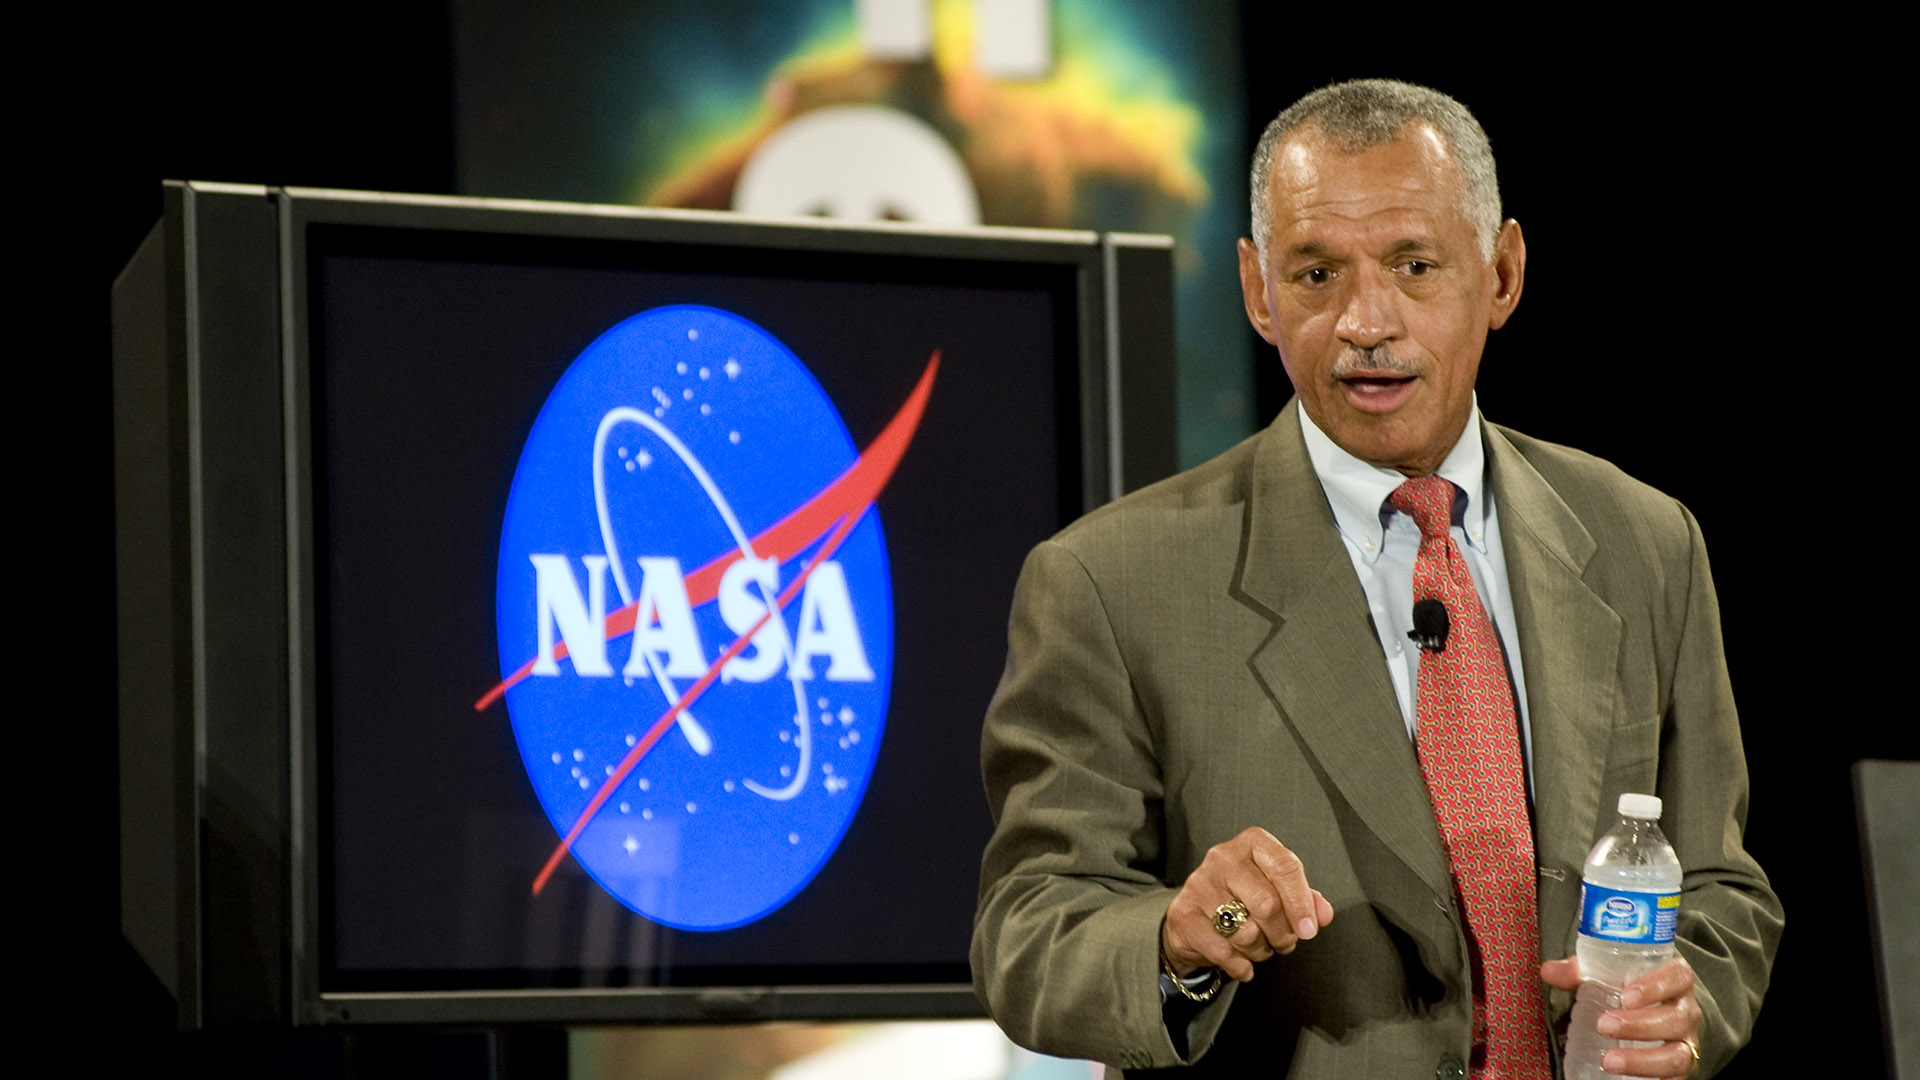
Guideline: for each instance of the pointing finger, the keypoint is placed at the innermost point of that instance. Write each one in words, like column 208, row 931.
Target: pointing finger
column 1298, row 904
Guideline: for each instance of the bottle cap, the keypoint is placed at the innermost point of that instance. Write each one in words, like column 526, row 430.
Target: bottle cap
column 1644, row 807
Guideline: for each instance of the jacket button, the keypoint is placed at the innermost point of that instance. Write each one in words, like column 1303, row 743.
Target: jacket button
column 1449, row 1068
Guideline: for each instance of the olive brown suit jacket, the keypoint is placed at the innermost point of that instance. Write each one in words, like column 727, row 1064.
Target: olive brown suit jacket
column 1197, row 658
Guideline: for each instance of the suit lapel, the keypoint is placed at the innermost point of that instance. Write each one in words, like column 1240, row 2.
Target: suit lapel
column 1322, row 664
column 1319, row 664
column 1569, row 646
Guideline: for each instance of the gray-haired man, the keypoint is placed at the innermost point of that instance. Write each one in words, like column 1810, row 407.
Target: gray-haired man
column 1214, row 733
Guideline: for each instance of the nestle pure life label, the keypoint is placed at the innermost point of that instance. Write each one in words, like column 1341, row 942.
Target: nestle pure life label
column 1634, row 918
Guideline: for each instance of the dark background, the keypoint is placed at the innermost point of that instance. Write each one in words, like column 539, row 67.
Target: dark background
column 1715, row 301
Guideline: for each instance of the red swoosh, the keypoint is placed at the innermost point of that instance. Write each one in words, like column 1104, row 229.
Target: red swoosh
column 848, row 496
column 692, row 693
column 834, row 511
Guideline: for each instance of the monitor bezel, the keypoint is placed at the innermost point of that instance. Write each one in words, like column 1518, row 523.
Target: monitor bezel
column 1099, row 312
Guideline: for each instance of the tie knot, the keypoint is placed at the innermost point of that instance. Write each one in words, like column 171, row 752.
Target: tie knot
column 1428, row 500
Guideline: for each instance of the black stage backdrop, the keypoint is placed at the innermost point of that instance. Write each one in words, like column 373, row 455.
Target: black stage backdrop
column 1712, row 303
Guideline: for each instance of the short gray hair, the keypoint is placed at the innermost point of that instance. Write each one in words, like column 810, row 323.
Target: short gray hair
column 1366, row 113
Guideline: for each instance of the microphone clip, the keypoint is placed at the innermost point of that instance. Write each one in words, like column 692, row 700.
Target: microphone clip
column 1430, row 625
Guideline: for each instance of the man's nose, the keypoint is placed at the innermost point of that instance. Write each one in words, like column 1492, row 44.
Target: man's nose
column 1372, row 312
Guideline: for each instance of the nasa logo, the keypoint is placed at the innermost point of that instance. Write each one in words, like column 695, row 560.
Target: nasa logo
column 692, row 560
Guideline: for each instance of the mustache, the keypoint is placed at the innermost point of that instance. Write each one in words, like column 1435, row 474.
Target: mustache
column 1374, row 361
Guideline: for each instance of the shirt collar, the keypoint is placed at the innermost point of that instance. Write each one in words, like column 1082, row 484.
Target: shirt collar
column 1358, row 491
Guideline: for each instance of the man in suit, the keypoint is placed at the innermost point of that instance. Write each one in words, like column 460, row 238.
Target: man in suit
column 1213, row 737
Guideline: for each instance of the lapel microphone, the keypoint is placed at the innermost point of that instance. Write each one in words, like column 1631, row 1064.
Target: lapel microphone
column 1430, row 625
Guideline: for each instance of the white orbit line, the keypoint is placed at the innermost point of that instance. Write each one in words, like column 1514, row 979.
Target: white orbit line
column 697, row 736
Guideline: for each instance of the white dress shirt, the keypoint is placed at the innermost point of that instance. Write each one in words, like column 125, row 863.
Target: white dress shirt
column 1383, row 542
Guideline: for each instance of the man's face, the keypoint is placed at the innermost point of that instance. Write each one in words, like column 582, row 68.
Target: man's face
column 1376, row 293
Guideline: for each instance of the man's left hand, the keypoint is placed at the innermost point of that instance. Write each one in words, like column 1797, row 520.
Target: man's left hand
column 1658, row 1006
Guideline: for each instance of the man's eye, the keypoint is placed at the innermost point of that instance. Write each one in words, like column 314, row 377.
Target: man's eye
column 1319, row 275
column 1415, row 267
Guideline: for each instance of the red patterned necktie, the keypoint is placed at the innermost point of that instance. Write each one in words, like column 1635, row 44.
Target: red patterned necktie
column 1469, row 744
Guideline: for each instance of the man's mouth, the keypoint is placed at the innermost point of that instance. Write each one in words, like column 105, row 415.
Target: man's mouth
column 1376, row 391
column 1376, row 381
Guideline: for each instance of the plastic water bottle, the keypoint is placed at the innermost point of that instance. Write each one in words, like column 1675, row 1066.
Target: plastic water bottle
column 1629, row 902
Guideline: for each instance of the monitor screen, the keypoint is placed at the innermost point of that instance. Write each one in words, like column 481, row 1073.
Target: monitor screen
column 514, row 441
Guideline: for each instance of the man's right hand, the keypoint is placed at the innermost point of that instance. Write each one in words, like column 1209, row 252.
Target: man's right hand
column 1259, row 871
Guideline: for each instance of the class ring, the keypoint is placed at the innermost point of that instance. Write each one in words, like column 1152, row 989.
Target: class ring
column 1229, row 917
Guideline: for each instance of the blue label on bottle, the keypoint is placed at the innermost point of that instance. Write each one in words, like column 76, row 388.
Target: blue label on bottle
column 1636, row 918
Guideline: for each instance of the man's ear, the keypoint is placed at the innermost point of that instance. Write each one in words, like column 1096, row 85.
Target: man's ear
column 1253, row 291
column 1509, row 272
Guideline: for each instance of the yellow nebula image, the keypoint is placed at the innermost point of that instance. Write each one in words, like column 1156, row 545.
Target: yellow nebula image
column 1100, row 140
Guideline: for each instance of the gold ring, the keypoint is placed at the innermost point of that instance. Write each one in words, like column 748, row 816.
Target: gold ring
column 1695, row 1051
column 1229, row 917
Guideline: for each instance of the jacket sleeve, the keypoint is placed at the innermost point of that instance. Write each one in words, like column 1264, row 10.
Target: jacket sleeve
column 1730, row 919
column 1066, row 939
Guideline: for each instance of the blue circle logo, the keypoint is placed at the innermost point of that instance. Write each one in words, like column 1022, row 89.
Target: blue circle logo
column 695, row 616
